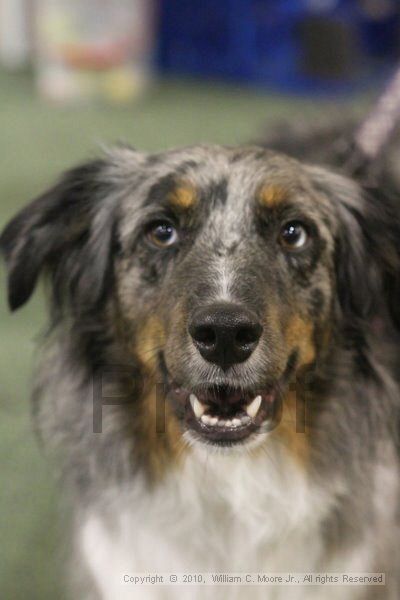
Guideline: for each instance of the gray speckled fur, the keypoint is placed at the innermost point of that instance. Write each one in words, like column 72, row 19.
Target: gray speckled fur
column 354, row 403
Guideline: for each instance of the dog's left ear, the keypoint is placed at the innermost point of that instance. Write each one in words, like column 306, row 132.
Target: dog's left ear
column 368, row 254
column 67, row 233
column 367, row 246
column 380, row 223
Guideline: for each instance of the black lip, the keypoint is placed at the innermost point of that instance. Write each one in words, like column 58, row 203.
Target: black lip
column 225, row 402
column 228, row 435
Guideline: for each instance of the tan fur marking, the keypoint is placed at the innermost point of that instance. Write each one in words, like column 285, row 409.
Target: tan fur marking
column 160, row 439
column 291, row 430
column 149, row 340
column 272, row 195
column 184, row 196
column 299, row 334
column 160, row 435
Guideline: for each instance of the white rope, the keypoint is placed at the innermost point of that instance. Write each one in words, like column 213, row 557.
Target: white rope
column 376, row 130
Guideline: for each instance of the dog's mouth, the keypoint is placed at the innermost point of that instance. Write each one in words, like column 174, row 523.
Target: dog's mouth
column 226, row 416
column 223, row 415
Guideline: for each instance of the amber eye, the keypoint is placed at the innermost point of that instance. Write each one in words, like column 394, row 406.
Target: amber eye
column 162, row 234
column 294, row 235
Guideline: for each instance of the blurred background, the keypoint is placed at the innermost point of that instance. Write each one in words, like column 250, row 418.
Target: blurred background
column 155, row 73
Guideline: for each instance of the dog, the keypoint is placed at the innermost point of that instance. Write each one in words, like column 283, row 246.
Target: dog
column 218, row 387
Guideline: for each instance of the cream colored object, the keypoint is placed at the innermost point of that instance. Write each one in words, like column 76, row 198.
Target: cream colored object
column 91, row 49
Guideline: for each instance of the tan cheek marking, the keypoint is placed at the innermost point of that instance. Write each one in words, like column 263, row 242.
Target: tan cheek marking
column 273, row 320
column 184, row 196
column 160, row 440
column 149, row 340
column 291, row 430
column 299, row 334
column 272, row 195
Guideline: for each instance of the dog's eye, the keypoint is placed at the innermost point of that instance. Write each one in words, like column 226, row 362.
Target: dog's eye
column 162, row 234
column 293, row 235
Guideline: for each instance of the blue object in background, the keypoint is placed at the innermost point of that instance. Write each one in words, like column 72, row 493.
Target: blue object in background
column 296, row 45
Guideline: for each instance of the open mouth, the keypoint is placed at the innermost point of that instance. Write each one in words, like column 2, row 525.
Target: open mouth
column 222, row 415
column 225, row 416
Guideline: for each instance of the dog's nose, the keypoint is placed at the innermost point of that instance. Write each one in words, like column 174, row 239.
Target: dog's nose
column 225, row 333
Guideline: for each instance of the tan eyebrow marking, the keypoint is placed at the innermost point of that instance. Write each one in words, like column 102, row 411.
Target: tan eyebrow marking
column 272, row 195
column 183, row 196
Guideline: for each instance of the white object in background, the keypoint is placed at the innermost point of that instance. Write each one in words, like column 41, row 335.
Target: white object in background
column 15, row 39
column 90, row 49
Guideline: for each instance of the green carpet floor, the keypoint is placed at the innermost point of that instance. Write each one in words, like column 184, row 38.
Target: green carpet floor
column 36, row 142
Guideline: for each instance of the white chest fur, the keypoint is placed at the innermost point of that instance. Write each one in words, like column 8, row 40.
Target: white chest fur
column 217, row 513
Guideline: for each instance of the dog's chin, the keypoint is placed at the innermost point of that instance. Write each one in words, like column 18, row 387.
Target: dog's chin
column 223, row 416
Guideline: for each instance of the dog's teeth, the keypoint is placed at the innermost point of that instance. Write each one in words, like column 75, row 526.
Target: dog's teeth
column 253, row 407
column 217, row 422
column 197, row 406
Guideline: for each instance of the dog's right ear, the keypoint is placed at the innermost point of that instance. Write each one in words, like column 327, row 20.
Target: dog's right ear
column 66, row 233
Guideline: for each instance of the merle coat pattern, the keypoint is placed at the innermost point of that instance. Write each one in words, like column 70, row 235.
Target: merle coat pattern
column 132, row 247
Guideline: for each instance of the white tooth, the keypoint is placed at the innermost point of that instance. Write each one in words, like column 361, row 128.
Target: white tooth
column 206, row 419
column 228, row 423
column 253, row 407
column 236, row 422
column 244, row 420
column 221, row 422
column 197, row 406
column 213, row 420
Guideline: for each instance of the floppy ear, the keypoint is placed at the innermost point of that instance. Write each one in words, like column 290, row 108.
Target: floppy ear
column 367, row 246
column 68, row 234
column 368, row 255
column 381, row 226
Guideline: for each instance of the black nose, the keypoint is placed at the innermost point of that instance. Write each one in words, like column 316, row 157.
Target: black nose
column 224, row 333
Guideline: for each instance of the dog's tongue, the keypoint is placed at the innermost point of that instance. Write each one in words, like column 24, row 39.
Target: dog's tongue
column 224, row 401
column 224, row 396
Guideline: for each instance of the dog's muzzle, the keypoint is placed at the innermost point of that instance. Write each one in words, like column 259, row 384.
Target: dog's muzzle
column 225, row 335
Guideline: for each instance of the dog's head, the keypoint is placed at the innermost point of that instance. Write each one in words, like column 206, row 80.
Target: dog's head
column 225, row 274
